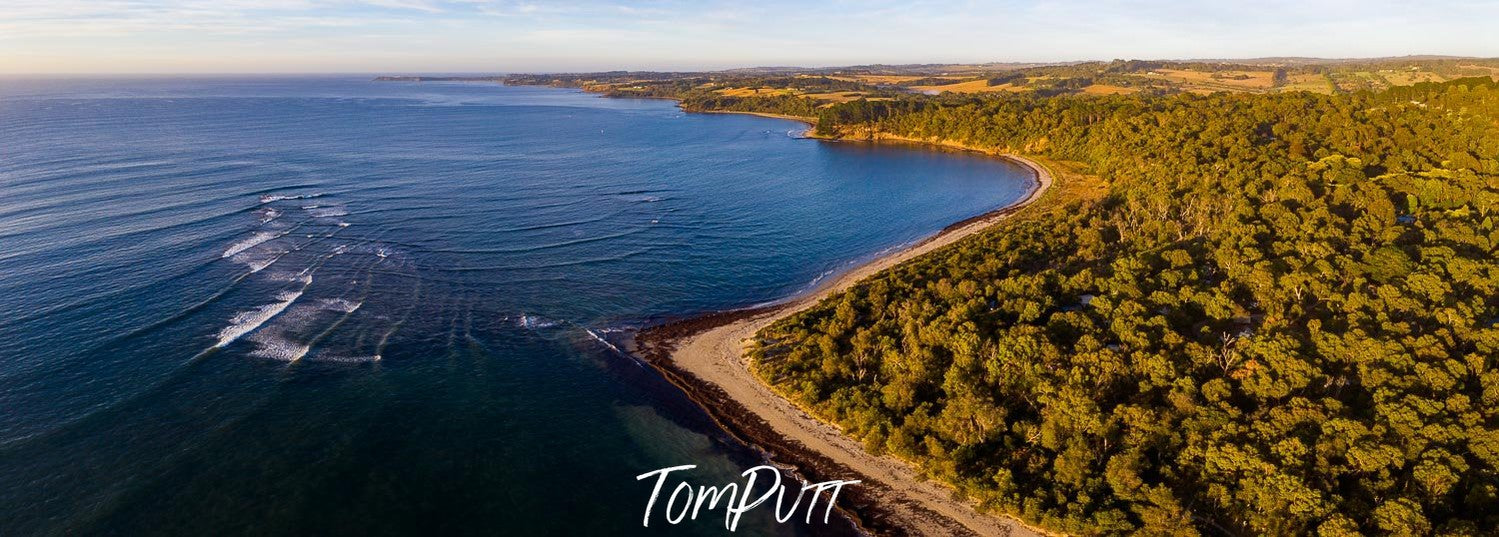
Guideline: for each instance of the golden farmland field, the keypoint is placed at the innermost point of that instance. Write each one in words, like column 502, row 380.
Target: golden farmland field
column 1211, row 81
column 1313, row 82
column 971, row 86
column 1107, row 89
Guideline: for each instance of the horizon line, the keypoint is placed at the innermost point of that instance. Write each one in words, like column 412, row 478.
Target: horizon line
column 1267, row 59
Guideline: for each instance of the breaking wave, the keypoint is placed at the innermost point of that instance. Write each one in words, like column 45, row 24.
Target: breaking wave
column 247, row 321
column 268, row 198
column 600, row 337
column 327, row 212
column 278, row 348
column 251, row 242
column 339, row 305
column 258, row 260
column 532, row 322
column 346, row 359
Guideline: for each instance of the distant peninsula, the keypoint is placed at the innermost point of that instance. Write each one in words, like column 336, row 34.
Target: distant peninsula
column 439, row 79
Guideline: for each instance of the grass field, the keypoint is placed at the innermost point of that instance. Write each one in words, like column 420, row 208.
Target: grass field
column 971, row 86
column 1213, row 81
column 1106, row 89
column 1313, row 82
column 842, row 96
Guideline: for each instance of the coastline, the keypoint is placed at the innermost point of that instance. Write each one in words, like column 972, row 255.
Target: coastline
column 810, row 122
column 704, row 356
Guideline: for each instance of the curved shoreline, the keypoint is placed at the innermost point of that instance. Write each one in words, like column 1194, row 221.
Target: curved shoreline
column 705, row 356
column 810, row 121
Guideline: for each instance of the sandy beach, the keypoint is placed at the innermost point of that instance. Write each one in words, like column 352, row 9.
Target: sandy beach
column 706, row 357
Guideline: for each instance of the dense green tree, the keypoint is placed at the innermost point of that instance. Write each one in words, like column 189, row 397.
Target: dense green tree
column 1279, row 317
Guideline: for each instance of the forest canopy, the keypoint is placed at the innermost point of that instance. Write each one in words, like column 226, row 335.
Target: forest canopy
column 1281, row 317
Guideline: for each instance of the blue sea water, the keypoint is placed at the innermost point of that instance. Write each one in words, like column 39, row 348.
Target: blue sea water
column 326, row 305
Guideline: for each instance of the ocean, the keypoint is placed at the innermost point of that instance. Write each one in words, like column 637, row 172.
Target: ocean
column 327, row 305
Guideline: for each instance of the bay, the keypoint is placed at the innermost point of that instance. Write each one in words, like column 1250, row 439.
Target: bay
column 314, row 305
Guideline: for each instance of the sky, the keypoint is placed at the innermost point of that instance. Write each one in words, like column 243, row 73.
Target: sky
column 500, row 36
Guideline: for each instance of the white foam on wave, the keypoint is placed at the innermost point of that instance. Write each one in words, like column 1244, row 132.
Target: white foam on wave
column 339, row 304
column 600, row 338
column 268, row 214
column 261, row 256
column 595, row 335
column 247, row 321
column 284, row 339
column 532, row 322
column 251, row 242
column 278, row 348
column 258, row 260
column 268, row 198
column 328, row 212
column 346, row 359
column 284, row 276
column 278, row 341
